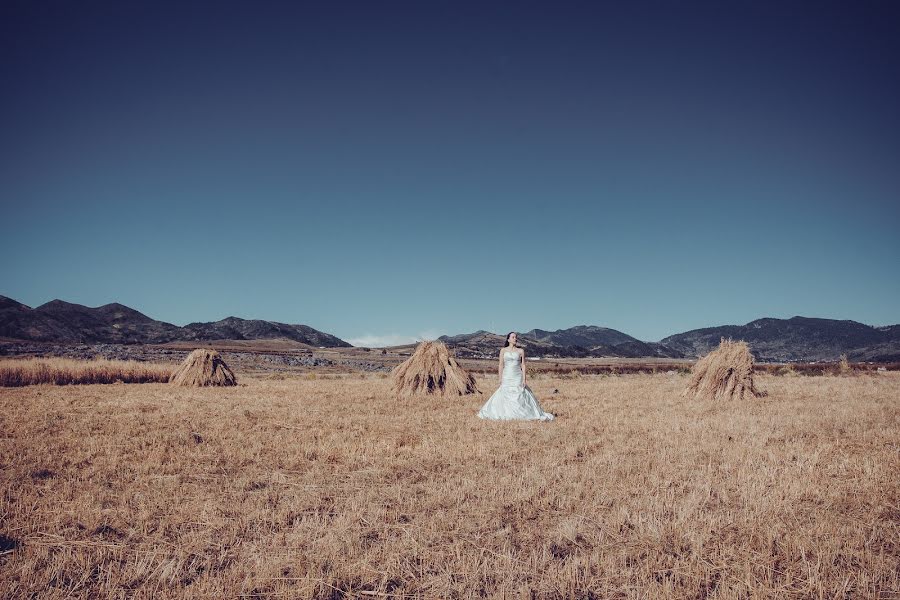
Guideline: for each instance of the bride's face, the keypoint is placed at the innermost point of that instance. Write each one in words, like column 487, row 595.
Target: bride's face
column 512, row 340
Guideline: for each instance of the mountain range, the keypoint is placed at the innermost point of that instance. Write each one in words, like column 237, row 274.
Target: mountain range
column 770, row 339
column 64, row 322
column 797, row 338
column 578, row 341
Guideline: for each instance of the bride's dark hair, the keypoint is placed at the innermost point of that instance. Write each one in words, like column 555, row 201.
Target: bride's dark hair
column 507, row 338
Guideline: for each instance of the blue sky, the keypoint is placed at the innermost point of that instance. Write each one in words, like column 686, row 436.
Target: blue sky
column 392, row 171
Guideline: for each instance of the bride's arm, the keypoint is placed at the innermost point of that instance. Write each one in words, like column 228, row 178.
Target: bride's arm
column 500, row 367
column 523, row 367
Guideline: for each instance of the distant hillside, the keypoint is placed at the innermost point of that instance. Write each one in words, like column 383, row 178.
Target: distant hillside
column 771, row 340
column 797, row 339
column 603, row 341
column 579, row 341
column 893, row 331
column 233, row 328
column 64, row 322
column 59, row 321
column 581, row 335
column 485, row 344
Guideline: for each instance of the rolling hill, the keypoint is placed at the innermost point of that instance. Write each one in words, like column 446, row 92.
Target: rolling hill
column 65, row 322
column 797, row 339
column 771, row 340
column 579, row 341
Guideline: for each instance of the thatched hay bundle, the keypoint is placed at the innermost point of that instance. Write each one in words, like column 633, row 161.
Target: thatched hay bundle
column 432, row 370
column 724, row 373
column 203, row 367
column 844, row 367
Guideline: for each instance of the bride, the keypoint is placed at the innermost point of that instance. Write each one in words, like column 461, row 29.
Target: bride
column 513, row 399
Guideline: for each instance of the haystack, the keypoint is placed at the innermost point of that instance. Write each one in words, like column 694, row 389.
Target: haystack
column 201, row 368
column 432, row 370
column 725, row 373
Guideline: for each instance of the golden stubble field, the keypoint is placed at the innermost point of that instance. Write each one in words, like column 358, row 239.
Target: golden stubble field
column 330, row 488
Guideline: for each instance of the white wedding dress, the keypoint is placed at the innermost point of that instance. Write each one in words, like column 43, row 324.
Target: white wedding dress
column 512, row 400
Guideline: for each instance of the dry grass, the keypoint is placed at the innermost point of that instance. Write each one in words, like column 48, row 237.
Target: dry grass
column 63, row 371
column 331, row 488
column 432, row 370
column 726, row 373
column 203, row 368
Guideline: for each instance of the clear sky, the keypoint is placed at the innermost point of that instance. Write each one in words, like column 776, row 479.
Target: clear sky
column 386, row 170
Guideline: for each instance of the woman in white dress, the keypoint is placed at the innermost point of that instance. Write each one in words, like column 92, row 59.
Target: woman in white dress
column 513, row 399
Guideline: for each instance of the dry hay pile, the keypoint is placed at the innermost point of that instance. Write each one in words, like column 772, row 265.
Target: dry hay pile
column 432, row 370
column 201, row 368
column 844, row 367
column 724, row 373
